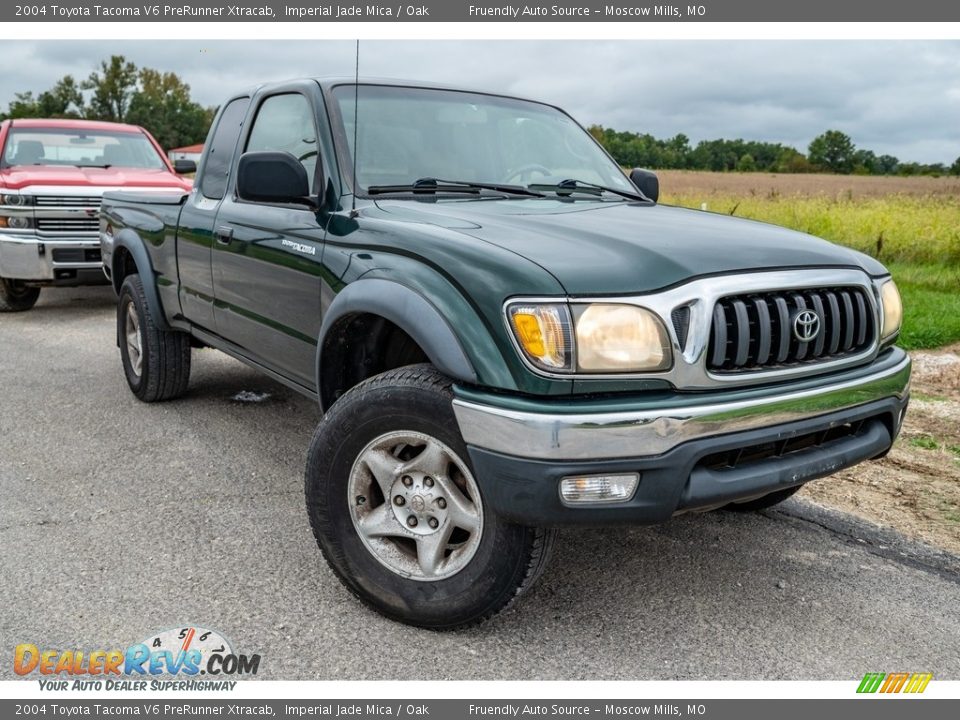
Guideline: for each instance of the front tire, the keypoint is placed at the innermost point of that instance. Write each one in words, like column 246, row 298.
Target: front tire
column 156, row 362
column 398, row 514
column 15, row 296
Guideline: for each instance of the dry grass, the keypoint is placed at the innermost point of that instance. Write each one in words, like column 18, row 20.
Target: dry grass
column 768, row 185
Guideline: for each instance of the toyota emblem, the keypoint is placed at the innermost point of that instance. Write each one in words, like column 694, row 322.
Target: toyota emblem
column 806, row 326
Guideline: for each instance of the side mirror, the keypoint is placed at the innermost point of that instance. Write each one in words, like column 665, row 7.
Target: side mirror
column 270, row 176
column 184, row 167
column 646, row 182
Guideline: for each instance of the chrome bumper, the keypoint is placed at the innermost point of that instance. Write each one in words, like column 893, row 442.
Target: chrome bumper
column 649, row 431
column 26, row 257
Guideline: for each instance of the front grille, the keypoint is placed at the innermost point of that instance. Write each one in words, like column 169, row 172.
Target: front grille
column 67, row 201
column 740, row 457
column 86, row 224
column 756, row 331
column 76, row 255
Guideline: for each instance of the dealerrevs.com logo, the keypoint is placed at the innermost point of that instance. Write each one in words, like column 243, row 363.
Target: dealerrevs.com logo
column 185, row 653
column 909, row 683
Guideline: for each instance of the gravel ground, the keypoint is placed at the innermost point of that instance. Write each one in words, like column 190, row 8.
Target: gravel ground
column 120, row 519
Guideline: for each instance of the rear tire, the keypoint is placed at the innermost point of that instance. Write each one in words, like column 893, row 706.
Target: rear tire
column 156, row 362
column 395, row 509
column 17, row 297
column 762, row 503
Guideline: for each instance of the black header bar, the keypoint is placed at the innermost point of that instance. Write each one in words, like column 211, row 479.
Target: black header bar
column 893, row 11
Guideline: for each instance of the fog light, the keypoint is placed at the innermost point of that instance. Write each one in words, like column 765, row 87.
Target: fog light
column 598, row 488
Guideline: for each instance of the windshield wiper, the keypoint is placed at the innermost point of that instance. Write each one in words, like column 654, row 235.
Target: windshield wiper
column 566, row 187
column 432, row 186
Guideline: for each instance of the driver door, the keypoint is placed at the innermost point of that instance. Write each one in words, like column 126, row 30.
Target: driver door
column 266, row 256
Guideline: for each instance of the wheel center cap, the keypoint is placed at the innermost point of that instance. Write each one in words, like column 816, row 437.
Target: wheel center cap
column 418, row 504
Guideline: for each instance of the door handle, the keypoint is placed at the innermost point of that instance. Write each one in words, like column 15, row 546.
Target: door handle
column 223, row 234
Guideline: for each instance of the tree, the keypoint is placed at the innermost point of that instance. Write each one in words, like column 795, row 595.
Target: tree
column 162, row 104
column 112, row 88
column 746, row 163
column 24, row 105
column 887, row 164
column 955, row 168
column 62, row 100
column 865, row 162
column 833, row 151
column 791, row 160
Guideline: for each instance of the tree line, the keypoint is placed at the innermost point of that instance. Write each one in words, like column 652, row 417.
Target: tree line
column 119, row 91
column 831, row 152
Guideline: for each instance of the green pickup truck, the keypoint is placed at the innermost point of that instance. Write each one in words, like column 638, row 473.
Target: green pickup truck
column 506, row 334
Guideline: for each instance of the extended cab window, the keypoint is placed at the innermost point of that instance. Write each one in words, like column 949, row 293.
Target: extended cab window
column 216, row 167
column 285, row 123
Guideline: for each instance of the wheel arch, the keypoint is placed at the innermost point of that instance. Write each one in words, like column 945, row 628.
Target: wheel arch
column 130, row 256
column 404, row 309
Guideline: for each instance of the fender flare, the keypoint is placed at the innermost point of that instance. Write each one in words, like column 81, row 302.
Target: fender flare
column 408, row 310
column 133, row 244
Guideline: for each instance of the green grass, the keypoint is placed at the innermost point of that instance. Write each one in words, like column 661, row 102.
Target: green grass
column 931, row 304
column 917, row 238
column 924, row 397
column 949, row 510
column 925, row 442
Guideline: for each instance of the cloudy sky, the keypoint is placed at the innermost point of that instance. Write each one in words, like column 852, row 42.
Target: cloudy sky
column 896, row 97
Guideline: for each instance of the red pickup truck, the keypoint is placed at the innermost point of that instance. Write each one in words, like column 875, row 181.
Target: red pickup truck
column 53, row 174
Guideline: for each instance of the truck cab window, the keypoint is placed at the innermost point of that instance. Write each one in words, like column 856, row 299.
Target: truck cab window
column 285, row 123
column 216, row 169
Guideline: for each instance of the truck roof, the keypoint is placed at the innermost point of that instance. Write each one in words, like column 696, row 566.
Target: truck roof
column 328, row 82
column 71, row 124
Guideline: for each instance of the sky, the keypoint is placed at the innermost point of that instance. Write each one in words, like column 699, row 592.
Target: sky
column 893, row 97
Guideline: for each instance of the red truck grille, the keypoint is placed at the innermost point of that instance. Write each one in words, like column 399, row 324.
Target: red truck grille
column 67, row 201
column 66, row 225
column 764, row 331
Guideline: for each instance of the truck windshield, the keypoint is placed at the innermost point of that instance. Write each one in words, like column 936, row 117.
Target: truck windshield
column 405, row 134
column 81, row 148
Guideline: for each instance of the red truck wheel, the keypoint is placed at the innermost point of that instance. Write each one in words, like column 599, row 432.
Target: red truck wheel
column 17, row 297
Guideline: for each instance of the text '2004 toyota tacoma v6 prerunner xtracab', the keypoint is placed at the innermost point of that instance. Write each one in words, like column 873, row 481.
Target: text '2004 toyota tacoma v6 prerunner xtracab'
column 506, row 335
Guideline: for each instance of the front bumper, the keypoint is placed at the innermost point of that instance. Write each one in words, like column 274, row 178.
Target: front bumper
column 789, row 434
column 51, row 262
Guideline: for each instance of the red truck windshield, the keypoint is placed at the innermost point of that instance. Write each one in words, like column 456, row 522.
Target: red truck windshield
column 80, row 148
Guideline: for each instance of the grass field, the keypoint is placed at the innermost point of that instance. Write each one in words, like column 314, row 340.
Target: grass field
column 912, row 225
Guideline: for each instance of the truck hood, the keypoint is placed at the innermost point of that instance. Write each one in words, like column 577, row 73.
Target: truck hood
column 38, row 176
column 611, row 248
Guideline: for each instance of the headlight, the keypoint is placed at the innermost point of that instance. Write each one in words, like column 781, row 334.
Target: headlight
column 892, row 309
column 16, row 200
column 609, row 338
column 18, row 222
column 620, row 338
column 543, row 332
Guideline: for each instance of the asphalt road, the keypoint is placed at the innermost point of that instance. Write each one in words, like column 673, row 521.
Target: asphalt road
column 119, row 519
